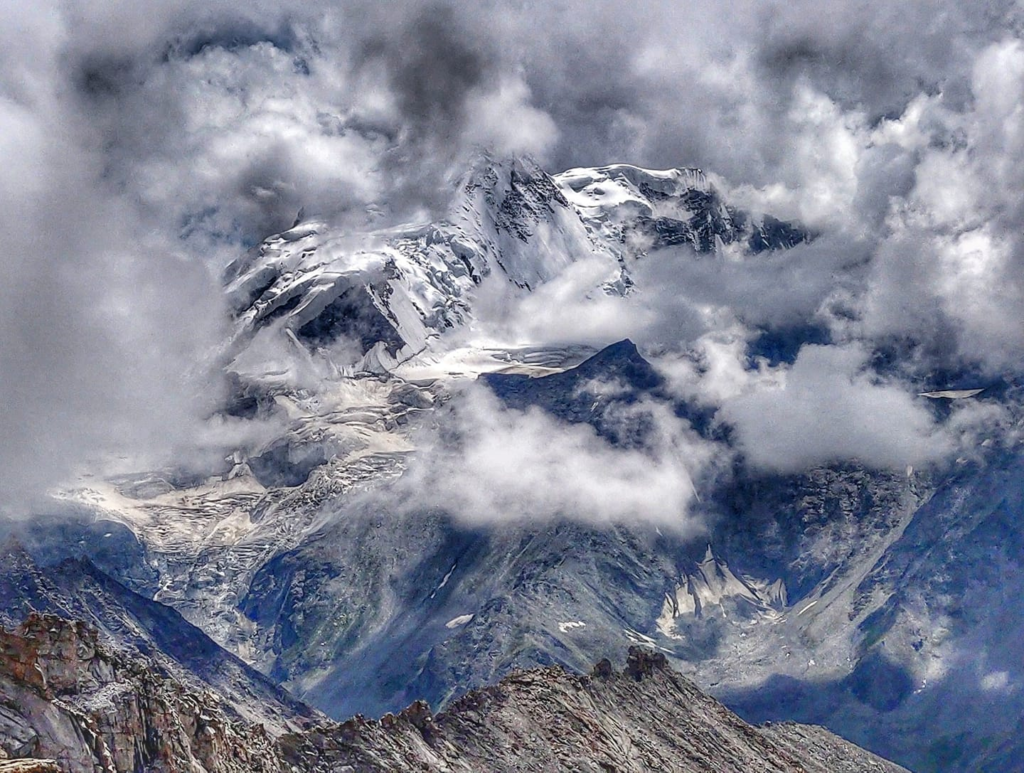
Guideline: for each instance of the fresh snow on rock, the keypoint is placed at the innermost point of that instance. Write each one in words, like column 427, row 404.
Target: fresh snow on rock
column 373, row 301
column 571, row 625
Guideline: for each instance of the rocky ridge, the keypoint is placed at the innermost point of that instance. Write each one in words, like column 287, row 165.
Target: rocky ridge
column 64, row 695
column 135, row 626
column 646, row 717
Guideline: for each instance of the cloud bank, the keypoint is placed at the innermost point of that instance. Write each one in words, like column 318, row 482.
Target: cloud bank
column 828, row 407
column 491, row 464
column 147, row 144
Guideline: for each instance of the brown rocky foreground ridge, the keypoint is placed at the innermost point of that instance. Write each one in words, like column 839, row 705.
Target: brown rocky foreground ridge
column 66, row 696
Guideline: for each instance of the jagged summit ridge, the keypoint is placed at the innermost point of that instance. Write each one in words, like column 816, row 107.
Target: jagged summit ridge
column 390, row 294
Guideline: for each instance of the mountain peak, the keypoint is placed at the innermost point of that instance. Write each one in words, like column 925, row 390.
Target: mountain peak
column 621, row 361
column 383, row 297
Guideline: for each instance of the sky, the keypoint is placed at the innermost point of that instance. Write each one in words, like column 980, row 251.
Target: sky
column 147, row 144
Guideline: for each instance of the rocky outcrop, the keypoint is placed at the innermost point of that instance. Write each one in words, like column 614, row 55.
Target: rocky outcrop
column 132, row 624
column 643, row 718
column 26, row 766
column 64, row 695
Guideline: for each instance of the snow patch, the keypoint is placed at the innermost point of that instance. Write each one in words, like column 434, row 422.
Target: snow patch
column 566, row 627
column 806, row 608
column 455, row 622
column 444, row 581
column 996, row 680
column 952, row 394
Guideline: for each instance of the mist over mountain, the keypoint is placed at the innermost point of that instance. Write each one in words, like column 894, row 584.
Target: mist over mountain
column 398, row 347
column 149, row 147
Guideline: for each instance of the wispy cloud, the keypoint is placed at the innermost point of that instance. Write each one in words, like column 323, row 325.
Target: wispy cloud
column 489, row 464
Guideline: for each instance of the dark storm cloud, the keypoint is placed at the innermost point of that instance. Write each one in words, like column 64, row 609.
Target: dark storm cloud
column 251, row 114
column 712, row 84
column 850, row 57
column 433, row 64
column 102, row 77
column 264, row 184
column 135, row 107
column 235, row 33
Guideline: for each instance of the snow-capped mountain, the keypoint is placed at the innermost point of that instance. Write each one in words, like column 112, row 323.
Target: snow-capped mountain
column 391, row 294
column 840, row 594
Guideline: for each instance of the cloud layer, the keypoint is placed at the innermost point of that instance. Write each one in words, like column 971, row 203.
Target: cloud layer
column 146, row 144
column 828, row 407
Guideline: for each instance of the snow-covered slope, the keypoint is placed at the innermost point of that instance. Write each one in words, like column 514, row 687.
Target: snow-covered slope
column 376, row 299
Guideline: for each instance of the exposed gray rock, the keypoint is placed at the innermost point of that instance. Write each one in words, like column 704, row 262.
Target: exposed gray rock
column 132, row 624
column 65, row 696
column 822, row 750
column 644, row 718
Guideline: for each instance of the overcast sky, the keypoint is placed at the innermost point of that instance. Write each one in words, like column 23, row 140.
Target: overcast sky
column 147, row 143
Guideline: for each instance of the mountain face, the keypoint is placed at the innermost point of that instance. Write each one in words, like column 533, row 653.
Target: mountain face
column 880, row 604
column 69, row 698
column 75, row 589
column 389, row 293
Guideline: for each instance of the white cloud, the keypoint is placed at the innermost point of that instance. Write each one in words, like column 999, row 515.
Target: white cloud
column 830, row 407
column 716, row 368
column 497, row 465
column 505, row 121
column 998, row 681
